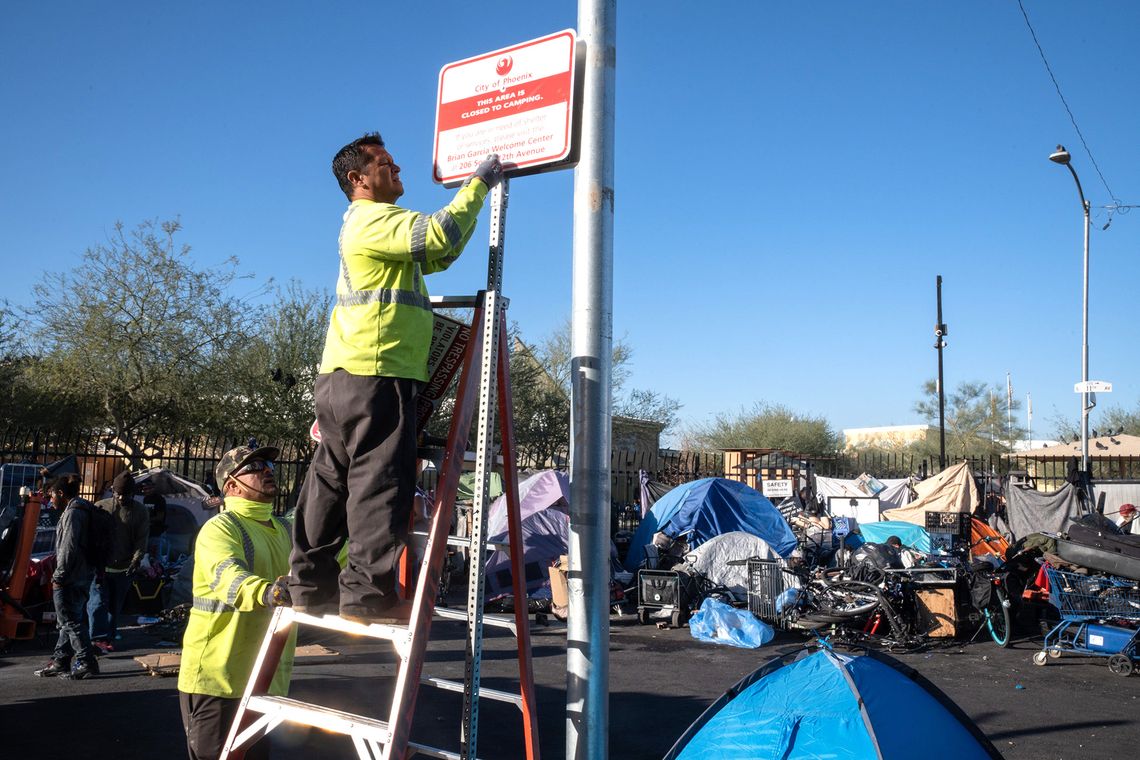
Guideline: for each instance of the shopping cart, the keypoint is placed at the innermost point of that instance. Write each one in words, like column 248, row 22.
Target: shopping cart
column 1100, row 617
column 766, row 581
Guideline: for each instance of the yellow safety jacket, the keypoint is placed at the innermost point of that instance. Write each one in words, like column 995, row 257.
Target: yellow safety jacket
column 235, row 559
column 381, row 324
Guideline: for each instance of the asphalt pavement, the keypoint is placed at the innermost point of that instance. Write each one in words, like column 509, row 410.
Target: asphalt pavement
column 660, row 681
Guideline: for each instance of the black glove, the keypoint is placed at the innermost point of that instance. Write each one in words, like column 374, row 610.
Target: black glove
column 132, row 569
column 490, row 171
column 276, row 594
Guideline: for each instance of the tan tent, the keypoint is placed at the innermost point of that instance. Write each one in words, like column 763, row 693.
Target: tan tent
column 951, row 490
column 1099, row 448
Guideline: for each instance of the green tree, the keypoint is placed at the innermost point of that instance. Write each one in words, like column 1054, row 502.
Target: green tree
column 977, row 416
column 541, row 386
column 269, row 389
column 765, row 426
column 139, row 333
column 541, row 407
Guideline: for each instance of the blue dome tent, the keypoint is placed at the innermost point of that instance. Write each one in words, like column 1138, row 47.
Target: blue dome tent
column 708, row 508
column 824, row 704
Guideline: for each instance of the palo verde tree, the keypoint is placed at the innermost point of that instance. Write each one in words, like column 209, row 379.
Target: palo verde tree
column 978, row 422
column 140, row 332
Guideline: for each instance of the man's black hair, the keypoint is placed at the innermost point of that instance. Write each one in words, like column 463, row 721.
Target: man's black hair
column 354, row 158
column 68, row 485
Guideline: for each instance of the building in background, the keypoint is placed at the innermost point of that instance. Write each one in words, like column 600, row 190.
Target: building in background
column 887, row 436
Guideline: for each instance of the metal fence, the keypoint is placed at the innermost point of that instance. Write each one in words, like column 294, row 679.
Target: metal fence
column 194, row 456
column 191, row 456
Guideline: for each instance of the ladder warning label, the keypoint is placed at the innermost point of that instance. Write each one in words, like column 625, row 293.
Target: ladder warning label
column 517, row 102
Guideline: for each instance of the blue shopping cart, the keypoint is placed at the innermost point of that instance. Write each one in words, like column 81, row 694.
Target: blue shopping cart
column 1100, row 617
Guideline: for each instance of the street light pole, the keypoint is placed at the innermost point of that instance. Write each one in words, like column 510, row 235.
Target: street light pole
column 1061, row 156
column 939, row 344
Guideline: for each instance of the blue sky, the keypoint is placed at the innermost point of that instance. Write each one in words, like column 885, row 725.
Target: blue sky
column 790, row 177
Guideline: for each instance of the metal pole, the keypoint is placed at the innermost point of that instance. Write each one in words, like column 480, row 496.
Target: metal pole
column 940, row 343
column 1009, row 410
column 1061, row 156
column 1029, row 416
column 588, row 627
column 1084, row 340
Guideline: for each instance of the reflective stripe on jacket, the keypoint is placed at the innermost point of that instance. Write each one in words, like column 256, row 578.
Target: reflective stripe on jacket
column 381, row 324
column 235, row 558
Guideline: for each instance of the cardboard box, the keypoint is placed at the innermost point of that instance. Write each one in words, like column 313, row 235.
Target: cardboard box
column 559, row 588
column 937, row 614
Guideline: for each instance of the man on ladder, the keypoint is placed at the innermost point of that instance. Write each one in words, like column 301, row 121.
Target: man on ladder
column 361, row 483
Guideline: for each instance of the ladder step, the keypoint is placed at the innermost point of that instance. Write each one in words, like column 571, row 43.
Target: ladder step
column 457, row 686
column 306, row 714
column 423, row 749
column 422, row 535
column 397, row 634
column 499, row 621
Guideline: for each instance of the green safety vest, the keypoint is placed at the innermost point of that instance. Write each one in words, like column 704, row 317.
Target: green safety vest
column 235, row 558
column 381, row 324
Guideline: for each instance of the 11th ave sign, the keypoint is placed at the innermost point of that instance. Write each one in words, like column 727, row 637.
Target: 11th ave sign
column 517, row 102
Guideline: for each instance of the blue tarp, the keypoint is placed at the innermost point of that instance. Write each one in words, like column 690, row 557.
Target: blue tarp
column 707, row 508
column 835, row 706
column 910, row 534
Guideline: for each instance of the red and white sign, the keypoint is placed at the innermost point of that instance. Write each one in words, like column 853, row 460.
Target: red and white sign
column 517, row 102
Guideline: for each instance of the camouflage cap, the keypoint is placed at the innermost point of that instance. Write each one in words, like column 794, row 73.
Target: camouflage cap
column 236, row 458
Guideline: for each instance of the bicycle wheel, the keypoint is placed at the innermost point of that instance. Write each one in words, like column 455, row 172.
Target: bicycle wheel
column 847, row 599
column 997, row 617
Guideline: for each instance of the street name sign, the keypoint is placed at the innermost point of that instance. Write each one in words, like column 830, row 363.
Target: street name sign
column 517, row 102
column 1093, row 386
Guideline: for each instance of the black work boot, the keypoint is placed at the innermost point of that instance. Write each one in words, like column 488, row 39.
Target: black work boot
column 54, row 668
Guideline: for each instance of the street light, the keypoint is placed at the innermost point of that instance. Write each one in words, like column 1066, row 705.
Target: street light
column 1061, row 156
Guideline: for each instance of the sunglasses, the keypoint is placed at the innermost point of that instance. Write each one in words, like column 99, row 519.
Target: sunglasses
column 256, row 465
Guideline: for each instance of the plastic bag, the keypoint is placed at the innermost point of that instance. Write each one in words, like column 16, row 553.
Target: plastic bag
column 720, row 623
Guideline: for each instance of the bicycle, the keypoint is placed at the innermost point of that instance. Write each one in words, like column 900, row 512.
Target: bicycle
column 990, row 600
column 826, row 598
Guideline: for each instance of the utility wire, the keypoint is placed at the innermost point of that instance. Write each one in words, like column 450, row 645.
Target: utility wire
column 1115, row 201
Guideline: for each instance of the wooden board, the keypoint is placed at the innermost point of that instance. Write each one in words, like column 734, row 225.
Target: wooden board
column 937, row 614
column 167, row 663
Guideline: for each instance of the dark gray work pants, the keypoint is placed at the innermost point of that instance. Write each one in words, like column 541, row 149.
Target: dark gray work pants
column 360, row 486
column 206, row 720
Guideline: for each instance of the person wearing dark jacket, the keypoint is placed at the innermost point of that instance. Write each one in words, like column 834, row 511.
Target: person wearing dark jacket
column 73, row 656
column 131, row 522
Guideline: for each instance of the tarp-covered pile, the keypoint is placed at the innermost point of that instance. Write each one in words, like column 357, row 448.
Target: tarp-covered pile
column 1030, row 511
column 951, row 490
column 544, row 508
column 895, row 494
column 700, row 510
